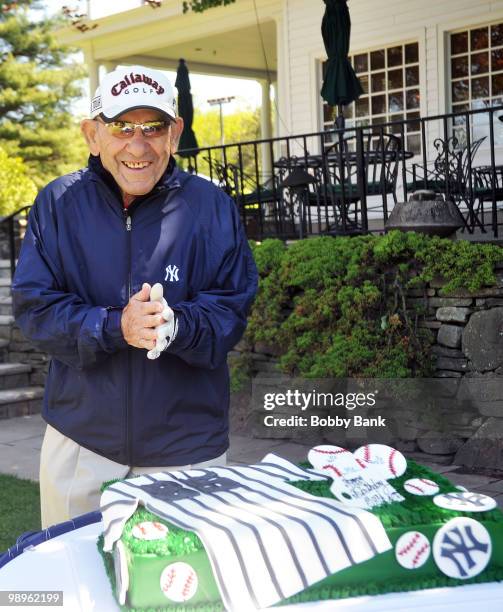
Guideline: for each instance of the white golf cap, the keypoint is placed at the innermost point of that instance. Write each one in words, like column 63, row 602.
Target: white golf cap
column 127, row 89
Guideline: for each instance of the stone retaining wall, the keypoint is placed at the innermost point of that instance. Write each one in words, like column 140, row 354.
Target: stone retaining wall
column 458, row 415
column 21, row 350
column 462, row 418
column 469, row 352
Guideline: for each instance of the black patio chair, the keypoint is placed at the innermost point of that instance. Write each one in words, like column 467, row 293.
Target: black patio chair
column 338, row 194
column 299, row 179
column 259, row 204
column 340, row 189
column 488, row 188
column 451, row 174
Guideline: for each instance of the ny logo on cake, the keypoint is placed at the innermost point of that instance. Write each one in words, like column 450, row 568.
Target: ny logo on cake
column 459, row 546
column 211, row 483
column 188, row 488
column 462, row 548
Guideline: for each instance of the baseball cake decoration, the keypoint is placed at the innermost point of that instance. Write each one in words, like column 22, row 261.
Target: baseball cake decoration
column 179, row 581
column 149, row 530
column 328, row 459
column 412, row 550
column 352, row 482
column 421, row 486
column 384, row 461
column 465, row 501
column 462, row 548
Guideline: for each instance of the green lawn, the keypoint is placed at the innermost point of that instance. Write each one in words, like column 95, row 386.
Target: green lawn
column 19, row 509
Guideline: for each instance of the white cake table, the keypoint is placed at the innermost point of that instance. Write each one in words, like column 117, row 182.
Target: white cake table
column 71, row 563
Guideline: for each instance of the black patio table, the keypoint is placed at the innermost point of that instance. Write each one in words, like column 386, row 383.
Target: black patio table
column 377, row 169
column 316, row 161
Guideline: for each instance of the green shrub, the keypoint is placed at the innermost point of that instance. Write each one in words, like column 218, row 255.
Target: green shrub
column 337, row 306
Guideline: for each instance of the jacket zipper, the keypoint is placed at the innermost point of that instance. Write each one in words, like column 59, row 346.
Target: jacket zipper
column 127, row 220
column 129, row 379
column 129, row 433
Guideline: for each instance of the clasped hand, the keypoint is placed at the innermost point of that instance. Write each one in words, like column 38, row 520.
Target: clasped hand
column 147, row 320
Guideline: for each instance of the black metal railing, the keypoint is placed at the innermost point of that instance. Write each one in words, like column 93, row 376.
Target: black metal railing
column 347, row 181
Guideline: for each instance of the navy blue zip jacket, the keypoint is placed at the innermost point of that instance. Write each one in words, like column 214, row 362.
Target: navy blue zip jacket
column 81, row 259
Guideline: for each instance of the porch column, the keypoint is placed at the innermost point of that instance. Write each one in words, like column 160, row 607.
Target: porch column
column 276, row 121
column 266, row 129
column 94, row 74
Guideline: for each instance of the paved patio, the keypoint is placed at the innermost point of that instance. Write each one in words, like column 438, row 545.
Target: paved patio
column 21, row 440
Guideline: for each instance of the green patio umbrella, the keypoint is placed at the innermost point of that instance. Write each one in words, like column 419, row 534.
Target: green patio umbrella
column 185, row 110
column 340, row 85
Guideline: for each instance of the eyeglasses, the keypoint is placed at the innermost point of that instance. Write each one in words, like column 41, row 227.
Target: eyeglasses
column 126, row 129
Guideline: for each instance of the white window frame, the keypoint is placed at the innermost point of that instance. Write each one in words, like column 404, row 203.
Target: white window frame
column 449, row 56
column 384, row 46
column 444, row 30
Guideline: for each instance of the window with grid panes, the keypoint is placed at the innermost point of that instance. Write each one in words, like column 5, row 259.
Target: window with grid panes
column 390, row 82
column 476, row 64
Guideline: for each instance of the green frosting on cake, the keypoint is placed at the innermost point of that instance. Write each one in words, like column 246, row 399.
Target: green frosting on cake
column 380, row 574
column 178, row 542
column 415, row 509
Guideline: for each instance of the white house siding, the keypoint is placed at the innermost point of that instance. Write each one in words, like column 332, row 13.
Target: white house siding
column 376, row 24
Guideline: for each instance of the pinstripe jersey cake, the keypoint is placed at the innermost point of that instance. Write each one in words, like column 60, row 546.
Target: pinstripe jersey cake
column 250, row 537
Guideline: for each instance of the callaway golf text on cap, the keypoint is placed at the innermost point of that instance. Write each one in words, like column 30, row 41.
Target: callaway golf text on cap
column 130, row 88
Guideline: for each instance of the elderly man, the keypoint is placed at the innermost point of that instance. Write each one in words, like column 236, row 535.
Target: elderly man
column 97, row 240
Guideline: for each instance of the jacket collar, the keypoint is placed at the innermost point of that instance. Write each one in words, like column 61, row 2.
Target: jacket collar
column 168, row 180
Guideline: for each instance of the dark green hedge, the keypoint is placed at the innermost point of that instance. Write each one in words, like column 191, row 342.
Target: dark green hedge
column 336, row 306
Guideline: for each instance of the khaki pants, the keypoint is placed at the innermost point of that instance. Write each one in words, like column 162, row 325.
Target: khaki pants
column 71, row 477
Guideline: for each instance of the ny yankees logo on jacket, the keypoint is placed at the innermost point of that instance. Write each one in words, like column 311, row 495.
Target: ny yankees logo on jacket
column 172, row 273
